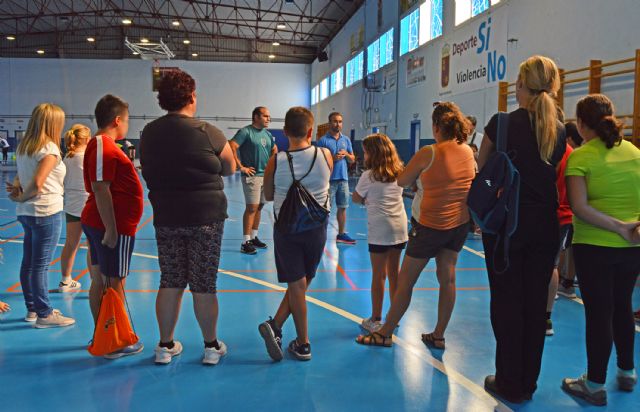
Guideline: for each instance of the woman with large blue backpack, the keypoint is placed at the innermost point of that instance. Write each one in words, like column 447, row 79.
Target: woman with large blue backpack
column 535, row 143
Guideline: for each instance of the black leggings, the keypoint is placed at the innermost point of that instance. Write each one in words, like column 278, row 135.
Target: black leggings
column 607, row 277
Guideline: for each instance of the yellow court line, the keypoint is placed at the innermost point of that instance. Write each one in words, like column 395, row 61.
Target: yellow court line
column 471, row 386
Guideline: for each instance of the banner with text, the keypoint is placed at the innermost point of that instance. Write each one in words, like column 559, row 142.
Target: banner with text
column 475, row 57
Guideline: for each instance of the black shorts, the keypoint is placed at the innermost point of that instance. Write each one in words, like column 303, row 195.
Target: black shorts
column 385, row 248
column 566, row 236
column 71, row 218
column 425, row 242
column 114, row 263
column 298, row 255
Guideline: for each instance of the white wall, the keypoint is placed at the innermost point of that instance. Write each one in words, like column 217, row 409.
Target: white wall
column 572, row 32
column 228, row 90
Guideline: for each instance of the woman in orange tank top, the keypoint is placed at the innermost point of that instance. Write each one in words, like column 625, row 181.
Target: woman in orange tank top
column 443, row 173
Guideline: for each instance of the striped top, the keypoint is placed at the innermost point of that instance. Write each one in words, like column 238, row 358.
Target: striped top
column 104, row 161
column 443, row 186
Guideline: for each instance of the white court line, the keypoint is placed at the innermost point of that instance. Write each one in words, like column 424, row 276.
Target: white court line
column 456, row 376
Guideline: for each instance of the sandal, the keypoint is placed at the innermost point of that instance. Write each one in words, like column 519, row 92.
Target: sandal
column 375, row 339
column 431, row 341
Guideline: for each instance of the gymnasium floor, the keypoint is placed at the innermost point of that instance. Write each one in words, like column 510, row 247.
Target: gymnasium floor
column 51, row 370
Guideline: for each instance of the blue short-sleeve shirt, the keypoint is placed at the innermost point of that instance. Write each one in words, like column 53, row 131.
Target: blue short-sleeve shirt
column 335, row 145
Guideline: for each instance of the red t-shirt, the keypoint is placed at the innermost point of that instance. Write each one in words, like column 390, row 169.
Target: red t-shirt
column 104, row 161
column 565, row 215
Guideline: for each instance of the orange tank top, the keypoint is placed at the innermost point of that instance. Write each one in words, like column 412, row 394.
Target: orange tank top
column 443, row 186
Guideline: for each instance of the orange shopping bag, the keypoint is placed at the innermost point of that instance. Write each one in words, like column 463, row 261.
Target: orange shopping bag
column 113, row 330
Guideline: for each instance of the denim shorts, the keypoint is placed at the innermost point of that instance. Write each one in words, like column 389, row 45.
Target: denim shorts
column 339, row 190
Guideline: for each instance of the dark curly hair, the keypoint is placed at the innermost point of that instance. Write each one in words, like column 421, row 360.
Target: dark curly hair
column 175, row 90
column 596, row 111
column 450, row 120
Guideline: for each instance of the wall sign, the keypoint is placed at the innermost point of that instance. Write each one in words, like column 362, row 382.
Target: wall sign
column 476, row 56
column 415, row 71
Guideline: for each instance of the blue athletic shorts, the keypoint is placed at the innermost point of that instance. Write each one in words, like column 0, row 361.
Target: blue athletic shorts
column 114, row 263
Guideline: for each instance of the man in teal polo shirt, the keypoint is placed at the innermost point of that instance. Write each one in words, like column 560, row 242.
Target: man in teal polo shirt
column 256, row 145
column 342, row 151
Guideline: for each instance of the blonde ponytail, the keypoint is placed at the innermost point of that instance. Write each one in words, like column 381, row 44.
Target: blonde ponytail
column 540, row 76
column 76, row 137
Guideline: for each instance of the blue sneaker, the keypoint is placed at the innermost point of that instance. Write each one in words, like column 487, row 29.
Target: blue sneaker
column 126, row 351
column 344, row 238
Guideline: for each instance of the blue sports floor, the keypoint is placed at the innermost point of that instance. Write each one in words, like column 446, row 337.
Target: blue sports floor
column 51, row 370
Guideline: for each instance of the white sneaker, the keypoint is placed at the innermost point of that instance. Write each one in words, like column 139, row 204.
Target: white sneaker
column 54, row 320
column 126, row 351
column 212, row 355
column 164, row 355
column 371, row 325
column 31, row 317
column 70, row 286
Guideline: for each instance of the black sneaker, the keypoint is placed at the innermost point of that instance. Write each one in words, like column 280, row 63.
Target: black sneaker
column 300, row 351
column 247, row 248
column 272, row 336
column 258, row 243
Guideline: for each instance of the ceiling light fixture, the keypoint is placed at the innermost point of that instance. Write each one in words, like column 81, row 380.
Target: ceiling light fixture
column 40, row 51
column 275, row 43
column 135, row 53
column 90, row 39
column 272, row 56
column 144, row 40
column 175, row 23
column 186, row 41
column 126, row 21
column 281, row 26
column 194, row 54
column 11, row 37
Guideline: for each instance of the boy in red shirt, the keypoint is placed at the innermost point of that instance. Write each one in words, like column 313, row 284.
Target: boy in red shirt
column 114, row 207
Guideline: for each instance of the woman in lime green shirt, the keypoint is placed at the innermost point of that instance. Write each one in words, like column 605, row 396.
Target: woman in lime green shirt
column 603, row 183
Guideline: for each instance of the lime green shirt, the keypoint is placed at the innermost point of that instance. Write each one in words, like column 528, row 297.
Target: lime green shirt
column 613, row 187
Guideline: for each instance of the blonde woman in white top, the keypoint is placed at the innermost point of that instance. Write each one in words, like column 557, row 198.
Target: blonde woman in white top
column 38, row 190
column 75, row 196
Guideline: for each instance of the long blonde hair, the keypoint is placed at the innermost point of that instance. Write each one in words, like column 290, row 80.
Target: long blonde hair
column 382, row 158
column 45, row 125
column 540, row 76
column 75, row 137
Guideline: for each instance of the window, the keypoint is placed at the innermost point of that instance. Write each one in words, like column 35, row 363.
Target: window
column 337, row 80
column 355, row 69
column 315, row 95
column 324, row 89
column 420, row 26
column 386, row 48
column 466, row 9
column 380, row 52
column 409, row 32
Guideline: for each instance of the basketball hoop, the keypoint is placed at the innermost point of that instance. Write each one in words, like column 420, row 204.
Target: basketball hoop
column 150, row 51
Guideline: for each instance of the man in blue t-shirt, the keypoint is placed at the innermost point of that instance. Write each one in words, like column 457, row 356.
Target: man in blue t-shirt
column 340, row 147
column 255, row 144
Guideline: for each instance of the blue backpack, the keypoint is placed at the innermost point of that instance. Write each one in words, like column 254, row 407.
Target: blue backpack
column 494, row 195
